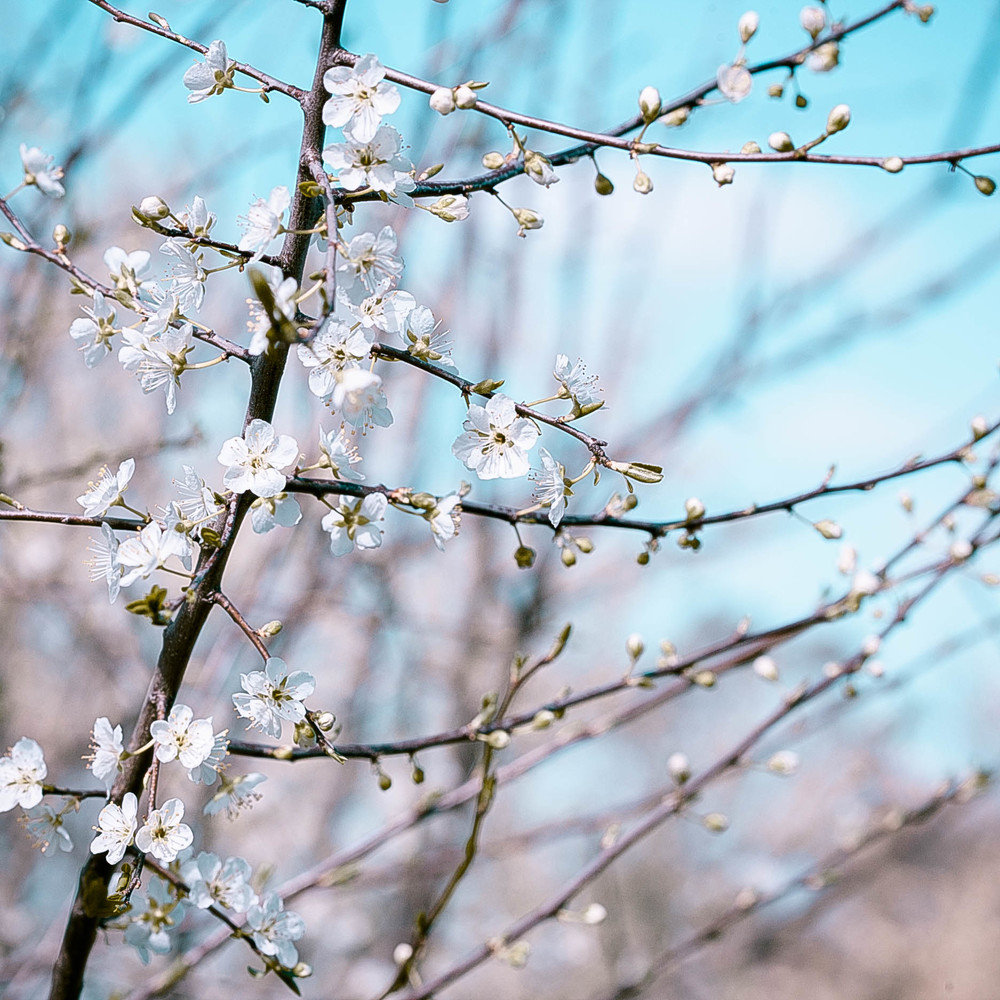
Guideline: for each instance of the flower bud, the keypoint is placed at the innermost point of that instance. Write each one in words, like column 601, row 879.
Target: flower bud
column 780, row 142
column 892, row 164
column 61, row 236
column 750, row 148
column 465, row 97
column 765, row 667
column 679, row 768
column 716, row 823
column 450, row 207
column 828, row 528
column 568, row 557
column 603, row 185
column 838, row 119
column 986, row 185
column 643, row 183
column 723, row 173
column 812, row 19
column 704, row 678
column 634, row 646
column 960, row 550
column 676, row 118
column 443, row 100
column 527, row 219
column 402, row 953
column 494, row 161
column 979, row 427
column 776, row 90
column 649, row 104
column 784, row 762
column 585, row 545
column 154, row 207
column 748, row 26
column 694, row 509
column 524, row 557
column 384, row 781
column 499, row 739
column 801, row 101
column 270, row 630
column 594, row 914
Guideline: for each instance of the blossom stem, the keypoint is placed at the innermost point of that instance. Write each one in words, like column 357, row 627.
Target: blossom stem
column 206, row 364
column 20, row 187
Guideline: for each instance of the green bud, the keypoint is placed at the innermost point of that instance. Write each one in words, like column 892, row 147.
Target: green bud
column 985, row 185
column 524, row 557
column 603, row 185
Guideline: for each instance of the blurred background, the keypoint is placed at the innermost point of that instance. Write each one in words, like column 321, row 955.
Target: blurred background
column 747, row 339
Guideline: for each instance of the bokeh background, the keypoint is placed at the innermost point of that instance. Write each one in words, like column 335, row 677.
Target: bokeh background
column 747, row 338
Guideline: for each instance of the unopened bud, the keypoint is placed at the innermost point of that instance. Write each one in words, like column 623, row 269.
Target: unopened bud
column 776, row 90
column 603, row 185
column 828, row 529
column 649, row 103
column 801, row 101
column 499, row 739
column 704, row 678
column 676, row 118
column 443, row 100
column 465, row 97
column 527, row 219
column 812, row 19
column 679, row 767
column 716, row 823
column 643, row 183
column 634, row 646
column 270, row 629
column 524, row 557
column 748, row 26
column 568, row 557
column 893, row 164
column 985, row 185
column 154, row 207
column 723, row 173
column 838, row 119
column 402, row 953
column 61, row 236
column 979, row 427
column 780, row 142
column 594, row 914
column 784, row 762
column 493, row 161
column 694, row 509
column 750, row 148
column 765, row 667
column 450, row 207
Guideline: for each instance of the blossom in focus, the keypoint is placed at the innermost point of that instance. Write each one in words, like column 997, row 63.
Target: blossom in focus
column 256, row 459
column 182, row 737
column 550, row 487
column 108, row 752
column 360, row 96
column 163, row 834
column 105, row 565
column 496, row 441
column 371, row 260
column 22, row 772
column 375, row 163
column 210, row 77
column 150, row 549
column 359, row 399
column 263, row 221
column 270, row 512
column 94, row 334
column 352, row 523
column 116, row 826
column 273, row 694
column 108, row 490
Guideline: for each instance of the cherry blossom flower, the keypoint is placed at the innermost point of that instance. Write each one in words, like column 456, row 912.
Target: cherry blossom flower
column 197, row 501
column 22, row 772
column 539, row 169
column 272, row 694
column 335, row 347
column 210, row 77
column 550, row 487
column 270, row 512
column 374, row 163
column 371, row 259
column 576, row 384
column 127, row 269
column 338, row 455
column 163, row 834
column 94, row 334
column 150, row 921
column 108, row 490
column 158, row 361
column 352, row 523
column 385, row 311
column 182, row 737
column 255, row 460
column 116, row 826
column 197, row 219
column 445, row 518
column 234, row 794
column 496, row 441
column 108, row 752
column 208, row 770
column 187, row 279
column 734, row 82
column 38, row 172
column 264, row 221
column 150, row 549
column 105, row 565
column 359, row 399
column 360, row 97
column 211, row 881
column 424, row 339
column 45, row 827
column 275, row 928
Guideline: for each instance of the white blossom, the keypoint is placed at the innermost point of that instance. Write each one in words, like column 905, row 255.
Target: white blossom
column 352, row 523
column 496, row 441
column 37, row 171
column 425, row 339
column 163, row 834
column 45, row 827
column 197, row 501
column 374, row 163
column 275, row 928
column 108, row 490
column 335, row 347
column 127, row 269
column 385, row 311
column 263, row 221
column 338, row 455
column 105, row 565
column 116, row 826
column 22, row 773
column 94, row 334
column 211, row 881
column 158, row 361
column 210, row 77
column 576, row 384
column 360, row 96
column 269, row 512
column 445, row 518
column 734, row 81
column 550, row 487
column 182, row 737
column 272, row 694
column 108, row 752
column 150, row 549
column 187, row 280
column 370, row 259
column 256, row 459
column 197, row 218
column 234, row 794
column 359, row 399
column 209, row 769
